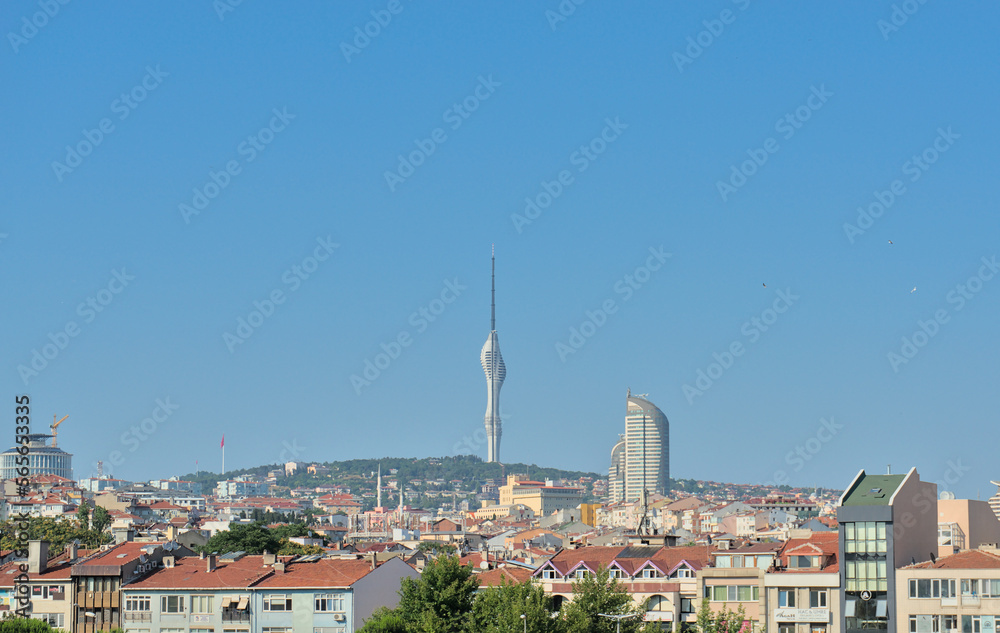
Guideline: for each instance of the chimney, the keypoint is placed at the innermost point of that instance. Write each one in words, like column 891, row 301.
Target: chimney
column 371, row 559
column 171, row 532
column 211, row 562
column 269, row 559
column 279, row 568
column 201, row 555
column 168, row 561
column 38, row 556
column 71, row 551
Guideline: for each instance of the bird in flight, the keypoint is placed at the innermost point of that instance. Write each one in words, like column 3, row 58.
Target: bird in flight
column 890, row 241
column 914, row 290
column 765, row 285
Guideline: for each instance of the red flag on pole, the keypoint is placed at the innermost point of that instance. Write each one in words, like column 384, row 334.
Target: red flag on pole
column 223, row 443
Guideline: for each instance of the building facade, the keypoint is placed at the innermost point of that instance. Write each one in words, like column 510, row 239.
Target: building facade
column 646, row 453
column 43, row 459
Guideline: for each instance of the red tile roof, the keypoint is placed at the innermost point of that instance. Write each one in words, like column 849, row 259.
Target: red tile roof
column 510, row 574
column 969, row 559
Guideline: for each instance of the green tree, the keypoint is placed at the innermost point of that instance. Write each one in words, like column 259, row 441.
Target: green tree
column 440, row 601
column 253, row 538
column 599, row 593
column 499, row 609
column 83, row 515
column 384, row 621
column 724, row 621
column 56, row 532
column 101, row 520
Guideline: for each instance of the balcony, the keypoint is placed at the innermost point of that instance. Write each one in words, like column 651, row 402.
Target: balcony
column 138, row 616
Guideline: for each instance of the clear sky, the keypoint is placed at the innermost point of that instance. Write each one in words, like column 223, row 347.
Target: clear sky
column 175, row 164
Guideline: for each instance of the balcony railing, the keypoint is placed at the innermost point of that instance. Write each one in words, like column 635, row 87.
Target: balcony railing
column 138, row 616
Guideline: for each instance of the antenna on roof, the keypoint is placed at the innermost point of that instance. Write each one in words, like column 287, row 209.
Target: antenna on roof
column 493, row 288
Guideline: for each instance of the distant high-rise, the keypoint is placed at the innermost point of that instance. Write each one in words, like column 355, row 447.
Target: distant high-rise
column 616, row 474
column 640, row 461
column 495, row 373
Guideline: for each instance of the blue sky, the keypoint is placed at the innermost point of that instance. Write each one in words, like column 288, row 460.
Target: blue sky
column 631, row 135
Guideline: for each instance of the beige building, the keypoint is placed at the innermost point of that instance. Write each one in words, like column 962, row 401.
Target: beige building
column 737, row 579
column 960, row 592
column 542, row 497
column 965, row 524
column 803, row 591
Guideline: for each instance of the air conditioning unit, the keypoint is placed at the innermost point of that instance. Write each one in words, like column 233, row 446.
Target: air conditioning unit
column 339, row 617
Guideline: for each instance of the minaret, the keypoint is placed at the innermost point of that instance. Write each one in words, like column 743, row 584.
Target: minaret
column 379, row 485
column 495, row 373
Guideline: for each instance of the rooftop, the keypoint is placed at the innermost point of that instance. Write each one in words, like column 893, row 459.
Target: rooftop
column 873, row 490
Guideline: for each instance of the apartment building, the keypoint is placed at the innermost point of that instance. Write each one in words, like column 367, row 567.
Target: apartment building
column 886, row 522
column 542, row 497
column 960, row 592
column 663, row 579
column 736, row 579
column 244, row 594
column 803, row 589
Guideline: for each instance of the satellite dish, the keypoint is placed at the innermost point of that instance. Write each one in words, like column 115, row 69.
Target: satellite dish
column 947, row 494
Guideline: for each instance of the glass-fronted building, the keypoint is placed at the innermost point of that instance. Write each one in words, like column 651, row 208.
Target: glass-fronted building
column 43, row 459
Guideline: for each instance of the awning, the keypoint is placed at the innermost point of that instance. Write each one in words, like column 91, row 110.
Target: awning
column 244, row 603
column 226, row 602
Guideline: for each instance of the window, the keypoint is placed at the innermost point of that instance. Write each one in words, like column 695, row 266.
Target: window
column 137, row 603
column 548, row 574
column 801, row 561
column 786, row 628
column 970, row 587
column 277, row 602
column 201, row 604
column 682, row 572
column 615, row 573
column 786, row 597
column 817, row 598
column 650, row 572
column 971, row 623
column 924, row 624
column 687, row 605
column 990, row 588
column 54, row 619
column 172, row 604
column 581, row 573
column 658, row 603
column 949, row 623
column 732, row 593
column 276, row 629
column 723, row 561
column 329, row 602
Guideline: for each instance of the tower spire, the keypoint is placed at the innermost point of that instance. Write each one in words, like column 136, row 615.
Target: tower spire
column 493, row 289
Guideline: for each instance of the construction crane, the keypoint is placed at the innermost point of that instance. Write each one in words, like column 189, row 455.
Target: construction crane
column 53, row 427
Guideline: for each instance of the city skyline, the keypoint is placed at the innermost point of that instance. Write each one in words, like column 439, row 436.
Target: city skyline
column 779, row 223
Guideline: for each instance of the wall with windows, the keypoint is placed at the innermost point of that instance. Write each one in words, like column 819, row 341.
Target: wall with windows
column 942, row 600
column 801, row 602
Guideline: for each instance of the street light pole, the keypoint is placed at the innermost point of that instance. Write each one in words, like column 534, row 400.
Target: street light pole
column 619, row 618
column 524, row 618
